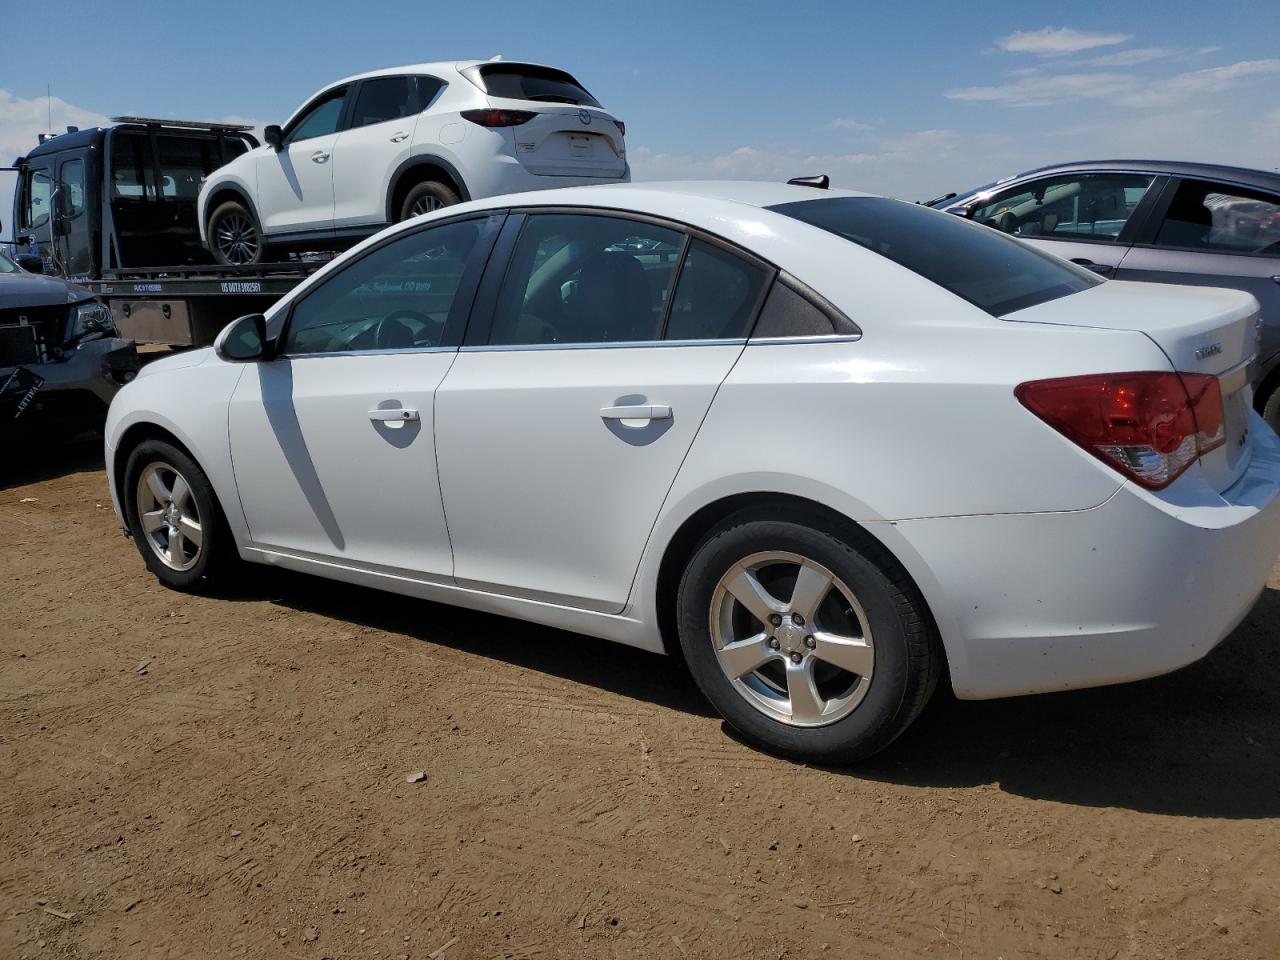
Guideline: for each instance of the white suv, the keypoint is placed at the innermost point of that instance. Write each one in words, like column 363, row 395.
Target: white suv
column 384, row 146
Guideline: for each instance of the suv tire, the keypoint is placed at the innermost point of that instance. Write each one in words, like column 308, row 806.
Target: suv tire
column 425, row 197
column 235, row 236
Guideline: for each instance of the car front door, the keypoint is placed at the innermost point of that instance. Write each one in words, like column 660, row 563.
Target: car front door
column 377, row 140
column 1216, row 235
column 563, row 422
column 332, row 441
column 1083, row 217
column 295, row 183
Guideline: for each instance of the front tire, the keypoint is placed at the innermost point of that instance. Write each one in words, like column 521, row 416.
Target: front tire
column 811, row 644
column 175, row 518
column 427, row 197
column 235, row 237
column 1271, row 409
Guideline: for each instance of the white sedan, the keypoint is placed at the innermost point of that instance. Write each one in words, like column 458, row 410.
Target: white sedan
column 829, row 446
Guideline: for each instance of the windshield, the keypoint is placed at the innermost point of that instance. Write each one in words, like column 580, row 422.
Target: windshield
column 7, row 265
column 994, row 272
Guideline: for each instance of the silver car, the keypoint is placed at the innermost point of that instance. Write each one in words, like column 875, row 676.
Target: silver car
column 1192, row 223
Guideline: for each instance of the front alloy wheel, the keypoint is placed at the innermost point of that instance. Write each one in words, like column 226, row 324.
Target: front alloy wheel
column 236, row 239
column 169, row 516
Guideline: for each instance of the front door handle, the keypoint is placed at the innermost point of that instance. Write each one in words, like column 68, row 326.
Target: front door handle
column 319, row 157
column 1101, row 268
column 643, row 411
column 393, row 414
column 397, row 137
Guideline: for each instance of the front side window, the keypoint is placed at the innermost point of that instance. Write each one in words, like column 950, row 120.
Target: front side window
column 396, row 298
column 37, row 188
column 576, row 278
column 71, row 197
column 382, row 99
column 321, row 118
column 1090, row 206
column 1208, row 216
column 993, row 272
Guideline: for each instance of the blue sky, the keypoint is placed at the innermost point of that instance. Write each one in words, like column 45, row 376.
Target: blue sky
column 906, row 98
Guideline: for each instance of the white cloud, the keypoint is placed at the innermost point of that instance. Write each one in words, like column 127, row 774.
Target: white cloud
column 1139, row 55
column 1058, row 41
column 1122, row 89
column 21, row 120
column 848, row 124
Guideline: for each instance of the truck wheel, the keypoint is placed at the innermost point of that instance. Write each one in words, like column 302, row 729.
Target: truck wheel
column 235, row 239
column 425, row 197
column 1271, row 410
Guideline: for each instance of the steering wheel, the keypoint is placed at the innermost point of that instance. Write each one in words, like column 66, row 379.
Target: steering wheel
column 391, row 330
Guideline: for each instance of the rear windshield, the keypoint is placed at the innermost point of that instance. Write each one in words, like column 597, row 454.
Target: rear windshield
column 994, row 272
column 516, row 81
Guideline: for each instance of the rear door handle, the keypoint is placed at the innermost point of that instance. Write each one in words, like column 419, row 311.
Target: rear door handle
column 643, row 411
column 397, row 137
column 319, row 157
column 1102, row 268
column 393, row 414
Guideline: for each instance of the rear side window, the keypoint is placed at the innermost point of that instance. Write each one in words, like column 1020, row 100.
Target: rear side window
column 586, row 279
column 1209, row 216
column 717, row 295
column 383, row 99
column 1088, row 206
column 991, row 271
column 516, row 81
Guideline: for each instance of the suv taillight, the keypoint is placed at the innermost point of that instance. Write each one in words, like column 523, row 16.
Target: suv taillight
column 1149, row 426
column 499, row 118
column 622, row 127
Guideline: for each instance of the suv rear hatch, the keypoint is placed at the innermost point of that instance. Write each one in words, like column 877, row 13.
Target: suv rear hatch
column 1200, row 330
column 568, row 135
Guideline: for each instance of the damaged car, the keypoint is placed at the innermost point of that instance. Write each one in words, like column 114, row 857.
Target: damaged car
column 61, row 357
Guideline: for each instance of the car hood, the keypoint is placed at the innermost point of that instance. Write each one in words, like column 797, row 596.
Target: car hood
column 32, row 290
column 177, row 361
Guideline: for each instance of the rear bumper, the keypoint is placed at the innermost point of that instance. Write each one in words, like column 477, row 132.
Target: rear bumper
column 1138, row 586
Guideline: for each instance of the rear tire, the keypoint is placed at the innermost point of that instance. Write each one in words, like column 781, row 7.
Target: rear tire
column 175, row 519
column 427, row 197
column 835, row 685
column 235, row 237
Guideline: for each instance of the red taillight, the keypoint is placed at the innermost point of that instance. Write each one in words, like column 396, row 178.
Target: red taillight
column 499, row 118
column 622, row 127
column 1149, row 426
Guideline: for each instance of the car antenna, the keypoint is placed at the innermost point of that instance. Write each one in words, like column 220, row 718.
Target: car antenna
column 820, row 182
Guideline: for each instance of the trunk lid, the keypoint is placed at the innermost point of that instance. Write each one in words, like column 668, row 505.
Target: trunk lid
column 1203, row 330
column 564, row 140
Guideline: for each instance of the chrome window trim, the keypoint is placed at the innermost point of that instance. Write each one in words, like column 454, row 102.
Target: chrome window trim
column 600, row 345
column 365, row 353
column 815, row 338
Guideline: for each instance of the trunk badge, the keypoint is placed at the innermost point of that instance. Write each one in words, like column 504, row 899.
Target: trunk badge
column 584, row 117
column 1212, row 350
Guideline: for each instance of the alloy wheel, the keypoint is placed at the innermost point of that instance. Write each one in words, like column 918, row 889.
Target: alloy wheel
column 169, row 516
column 792, row 639
column 426, row 203
column 236, row 238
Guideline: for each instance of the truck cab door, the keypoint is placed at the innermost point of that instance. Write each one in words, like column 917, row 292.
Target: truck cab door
column 70, row 212
column 32, row 228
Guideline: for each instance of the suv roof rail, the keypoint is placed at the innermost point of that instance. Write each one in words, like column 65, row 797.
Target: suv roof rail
column 820, row 182
column 185, row 124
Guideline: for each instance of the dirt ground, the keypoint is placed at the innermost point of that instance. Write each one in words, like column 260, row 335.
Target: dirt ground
column 196, row 777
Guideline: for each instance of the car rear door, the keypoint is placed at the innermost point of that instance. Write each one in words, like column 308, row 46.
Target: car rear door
column 1215, row 234
column 1087, row 217
column 562, row 424
column 332, row 441
column 377, row 140
column 295, row 183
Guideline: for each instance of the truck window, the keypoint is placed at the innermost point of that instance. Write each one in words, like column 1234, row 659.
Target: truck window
column 37, row 187
column 186, row 161
column 71, row 199
column 132, row 176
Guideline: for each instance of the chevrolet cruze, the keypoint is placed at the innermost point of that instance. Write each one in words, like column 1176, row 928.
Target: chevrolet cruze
column 829, row 446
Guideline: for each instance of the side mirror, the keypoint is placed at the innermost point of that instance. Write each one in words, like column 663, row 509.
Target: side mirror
column 244, row 340
column 31, row 262
column 273, row 135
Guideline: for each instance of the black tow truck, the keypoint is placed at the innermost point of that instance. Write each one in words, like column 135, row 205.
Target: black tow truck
column 113, row 209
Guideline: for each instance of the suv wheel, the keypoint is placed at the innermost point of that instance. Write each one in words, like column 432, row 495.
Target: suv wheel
column 812, row 645
column 425, row 197
column 235, row 239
